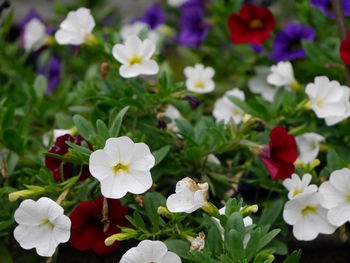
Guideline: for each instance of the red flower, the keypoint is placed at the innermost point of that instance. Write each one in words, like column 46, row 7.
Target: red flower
column 345, row 50
column 252, row 25
column 69, row 170
column 88, row 230
column 280, row 155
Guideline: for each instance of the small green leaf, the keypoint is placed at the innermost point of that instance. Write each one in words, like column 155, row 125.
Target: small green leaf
column 84, row 127
column 294, row 257
column 102, row 129
column 270, row 214
column 115, row 126
column 160, row 154
column 40, row 86
column 267, row 238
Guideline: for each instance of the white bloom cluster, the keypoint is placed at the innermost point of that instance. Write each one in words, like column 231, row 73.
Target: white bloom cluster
column 329, row 100
column 313, row 212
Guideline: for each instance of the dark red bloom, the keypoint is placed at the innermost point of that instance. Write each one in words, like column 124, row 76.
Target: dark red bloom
column 345, row 50
column 251, row 25
column 69, row 170
column 89, row 232
column 280, row 155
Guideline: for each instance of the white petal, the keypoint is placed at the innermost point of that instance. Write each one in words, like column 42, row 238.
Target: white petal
column 147, row 49
column 148, row 67
column 137, row 182
column 64, row 37
column 133, row 44
column 62, row 229
column 26, row 213
column 340, row 179
column 119, row 53
column 305, row 229
column 133, row 255
column 152, row 251
column 101, row 164
column 171, row 257
column 48, row 208
column 291, row 212
column 142, row 158
column 181, row 202
column 114, row 186
column 127, row 71
column 26, row 236
column 339, row 215
column 120, row 149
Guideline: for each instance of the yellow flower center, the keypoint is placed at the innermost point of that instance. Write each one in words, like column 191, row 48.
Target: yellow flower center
column 256, row 24
column 348, row 197
column 308, row 210
column 48, row 223
column 319, row 102
column 135, row 59
column 199, row 85
column 120, row 167
column 297, row 191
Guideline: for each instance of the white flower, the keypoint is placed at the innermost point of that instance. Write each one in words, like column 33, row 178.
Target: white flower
column 259, row 85
column 307, row 216
column 148, row 251
column 281, row 74
column 176, row 3
column 309, row 146
column 173, row 114
column 138, row 28
column 41, row 225
column 199, row 78
column 76, row 28
column 329, row 99
column 247, row 221
column 188, row 197
column 225, row 109
column 296, row 186
column 122, row 166
column 34, row 34
column 336, row 194
column 135, row 57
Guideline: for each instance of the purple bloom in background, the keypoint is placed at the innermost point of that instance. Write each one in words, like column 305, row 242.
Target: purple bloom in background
column 30, row 15
column 194, row 29
column 287, row 44
column 52, row 71
column 257, row 48
column 154, row 17
column 326, row 7
column 193, row 3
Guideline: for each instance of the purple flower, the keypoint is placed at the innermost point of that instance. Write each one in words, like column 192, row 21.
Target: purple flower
column 287, row 44
column 30, row 15
column 257, row 48
column 194, row 29
column 52, row 71
column 326, row 7
column 193, row 3
column 154, row 17
column 193, row 101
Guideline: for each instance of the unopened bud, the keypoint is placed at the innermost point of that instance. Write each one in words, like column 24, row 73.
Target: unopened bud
column 163, row 211
column 211, row 209
column 131, row 233
column 249, row 209
column 26, row 193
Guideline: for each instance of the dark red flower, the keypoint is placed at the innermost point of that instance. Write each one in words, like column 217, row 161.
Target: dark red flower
column 54, row 164
column 252, row 25
column 89, row 232
column 345, row 50
column 280, row 155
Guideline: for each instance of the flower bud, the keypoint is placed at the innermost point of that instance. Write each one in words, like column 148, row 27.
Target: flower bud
column 193, row 101
column 37, row 190
column 163, row 211
column 128, row 233
column 249, row 209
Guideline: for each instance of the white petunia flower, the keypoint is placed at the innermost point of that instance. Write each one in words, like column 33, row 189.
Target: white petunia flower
column 34, row 34
column 309, row 146
column 122, row 166
column 259, row 85
column 76, row 28
column 336, row 193
column 307, row 216
column 296, row 186
column 188, row 197
column 173, row 114
column 225, row 109
column 176, row 3
column 135, row 57
column 41, row 225
column 329, row 99
column 138, row 28
column 199, row 79
column 148, row 251
column 282, row 74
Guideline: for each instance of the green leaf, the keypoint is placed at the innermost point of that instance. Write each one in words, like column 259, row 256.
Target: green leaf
column 84, row 127
column 152, row 201
column 102, row 129
column 115, row 126
column 333, row 160
column 267, row 238
column 40, row 86
column 160, row 154
column 179, row 247
column 13, row 141
column 294, row 257
column 270, row 214
column 79, row 149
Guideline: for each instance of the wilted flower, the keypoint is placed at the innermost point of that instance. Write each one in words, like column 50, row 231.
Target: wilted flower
column 282, row 74
column 135, row 57
column 296, row 186
column 307, row 216
column 122, row 166
column 54, row 164
column 90, row 227
column 336, row 194
column 197, row 243
column 199, row 78
column 225, row 109
column 188, row 197
column 76, row 28
column 150, row 251
column 287, row 44
column 308, row 145
column 259, row 85
column 41, row 225
column 251, row 25
column 280, row 155
column 329, row 99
